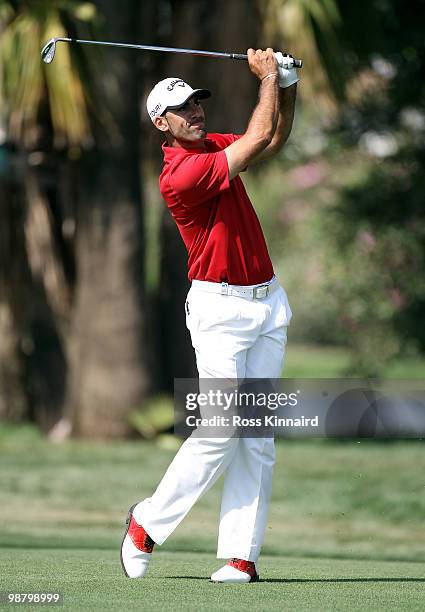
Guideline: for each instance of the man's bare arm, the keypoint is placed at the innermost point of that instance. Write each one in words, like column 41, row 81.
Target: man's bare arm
column 263, row 123
column 285, row 120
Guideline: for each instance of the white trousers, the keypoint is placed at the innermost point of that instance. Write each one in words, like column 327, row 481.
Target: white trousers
column 233, row 338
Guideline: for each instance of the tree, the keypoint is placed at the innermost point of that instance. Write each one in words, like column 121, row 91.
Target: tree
column 76, row 297
column 109, row 376
column 380, row 223
column 364, row 68
column 45, row 116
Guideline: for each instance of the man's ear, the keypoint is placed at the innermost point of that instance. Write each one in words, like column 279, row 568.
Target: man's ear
column 161, row 123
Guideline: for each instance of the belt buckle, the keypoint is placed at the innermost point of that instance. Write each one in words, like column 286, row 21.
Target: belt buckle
column 260, row 292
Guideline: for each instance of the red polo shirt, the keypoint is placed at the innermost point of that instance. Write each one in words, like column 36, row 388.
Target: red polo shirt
column 215, row 217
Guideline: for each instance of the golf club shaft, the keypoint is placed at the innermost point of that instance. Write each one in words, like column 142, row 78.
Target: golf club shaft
column 296, row 62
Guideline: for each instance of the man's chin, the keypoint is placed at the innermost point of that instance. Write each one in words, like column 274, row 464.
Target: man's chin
column 195, row 138
column 200, row 132
column 197, row 135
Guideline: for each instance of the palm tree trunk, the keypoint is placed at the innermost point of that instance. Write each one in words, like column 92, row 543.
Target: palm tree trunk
column 108, row 375
column 14, row 405
column 34, row 296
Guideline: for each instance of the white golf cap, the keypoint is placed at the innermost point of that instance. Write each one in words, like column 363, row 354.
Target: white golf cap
column 169, row 94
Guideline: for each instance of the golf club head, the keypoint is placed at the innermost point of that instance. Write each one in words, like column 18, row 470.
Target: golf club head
column 48, row 51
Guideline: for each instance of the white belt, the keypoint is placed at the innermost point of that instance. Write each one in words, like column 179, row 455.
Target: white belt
column 249, row 292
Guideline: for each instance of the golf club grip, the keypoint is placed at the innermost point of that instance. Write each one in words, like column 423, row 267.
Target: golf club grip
column 298, row 63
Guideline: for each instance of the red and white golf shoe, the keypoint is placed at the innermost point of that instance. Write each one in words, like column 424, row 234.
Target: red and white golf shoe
column 136, row 548
column 236, row 571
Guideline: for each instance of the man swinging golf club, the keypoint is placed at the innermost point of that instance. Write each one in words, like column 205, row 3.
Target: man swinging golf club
column 236, row 311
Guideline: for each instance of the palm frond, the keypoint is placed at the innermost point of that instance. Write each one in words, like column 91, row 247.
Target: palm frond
column 308, row 29
column 28, row 83
column 65, row 91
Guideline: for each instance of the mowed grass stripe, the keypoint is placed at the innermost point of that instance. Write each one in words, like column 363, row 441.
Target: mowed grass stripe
column 179, row 581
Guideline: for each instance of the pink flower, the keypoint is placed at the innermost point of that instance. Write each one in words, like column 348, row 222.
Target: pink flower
column 309, row 175
column 397, row 299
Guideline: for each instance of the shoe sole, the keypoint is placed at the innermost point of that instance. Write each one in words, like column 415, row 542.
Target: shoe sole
column 127, row 521
column 255, row 578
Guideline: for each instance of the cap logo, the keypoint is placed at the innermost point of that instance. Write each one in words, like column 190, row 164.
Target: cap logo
column 155, row 110
column 178, row 82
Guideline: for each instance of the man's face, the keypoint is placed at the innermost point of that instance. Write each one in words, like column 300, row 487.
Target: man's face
column 185, row 124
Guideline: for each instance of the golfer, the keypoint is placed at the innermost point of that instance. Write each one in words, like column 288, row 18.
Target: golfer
column 236, row 311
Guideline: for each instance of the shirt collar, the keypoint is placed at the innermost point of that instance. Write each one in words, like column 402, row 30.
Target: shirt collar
column 174, row 151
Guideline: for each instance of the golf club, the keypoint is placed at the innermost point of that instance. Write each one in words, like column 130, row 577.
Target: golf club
column 49, row 50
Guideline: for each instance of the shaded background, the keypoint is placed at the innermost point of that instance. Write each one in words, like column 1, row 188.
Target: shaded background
column 92, row 269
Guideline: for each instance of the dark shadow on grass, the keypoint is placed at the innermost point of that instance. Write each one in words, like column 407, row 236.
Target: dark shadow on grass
column 330, row 580
column 307, row 580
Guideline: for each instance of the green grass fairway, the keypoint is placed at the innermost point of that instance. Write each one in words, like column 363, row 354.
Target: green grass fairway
column 91, row 580
column 345, row 531
column 311, row 361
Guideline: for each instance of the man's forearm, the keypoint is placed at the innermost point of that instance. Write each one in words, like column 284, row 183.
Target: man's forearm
column 286, row 115
column 264, row 119
column 287, row 97
column 260, row 131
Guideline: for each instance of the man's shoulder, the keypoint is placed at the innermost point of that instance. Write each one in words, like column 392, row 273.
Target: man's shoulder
column 180, row 162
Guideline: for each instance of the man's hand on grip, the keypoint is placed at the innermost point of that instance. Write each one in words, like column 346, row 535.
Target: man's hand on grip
column 262, row 63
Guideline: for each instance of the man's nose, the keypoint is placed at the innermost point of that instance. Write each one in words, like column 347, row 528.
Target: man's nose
column 195, row 107
column 198, row 112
